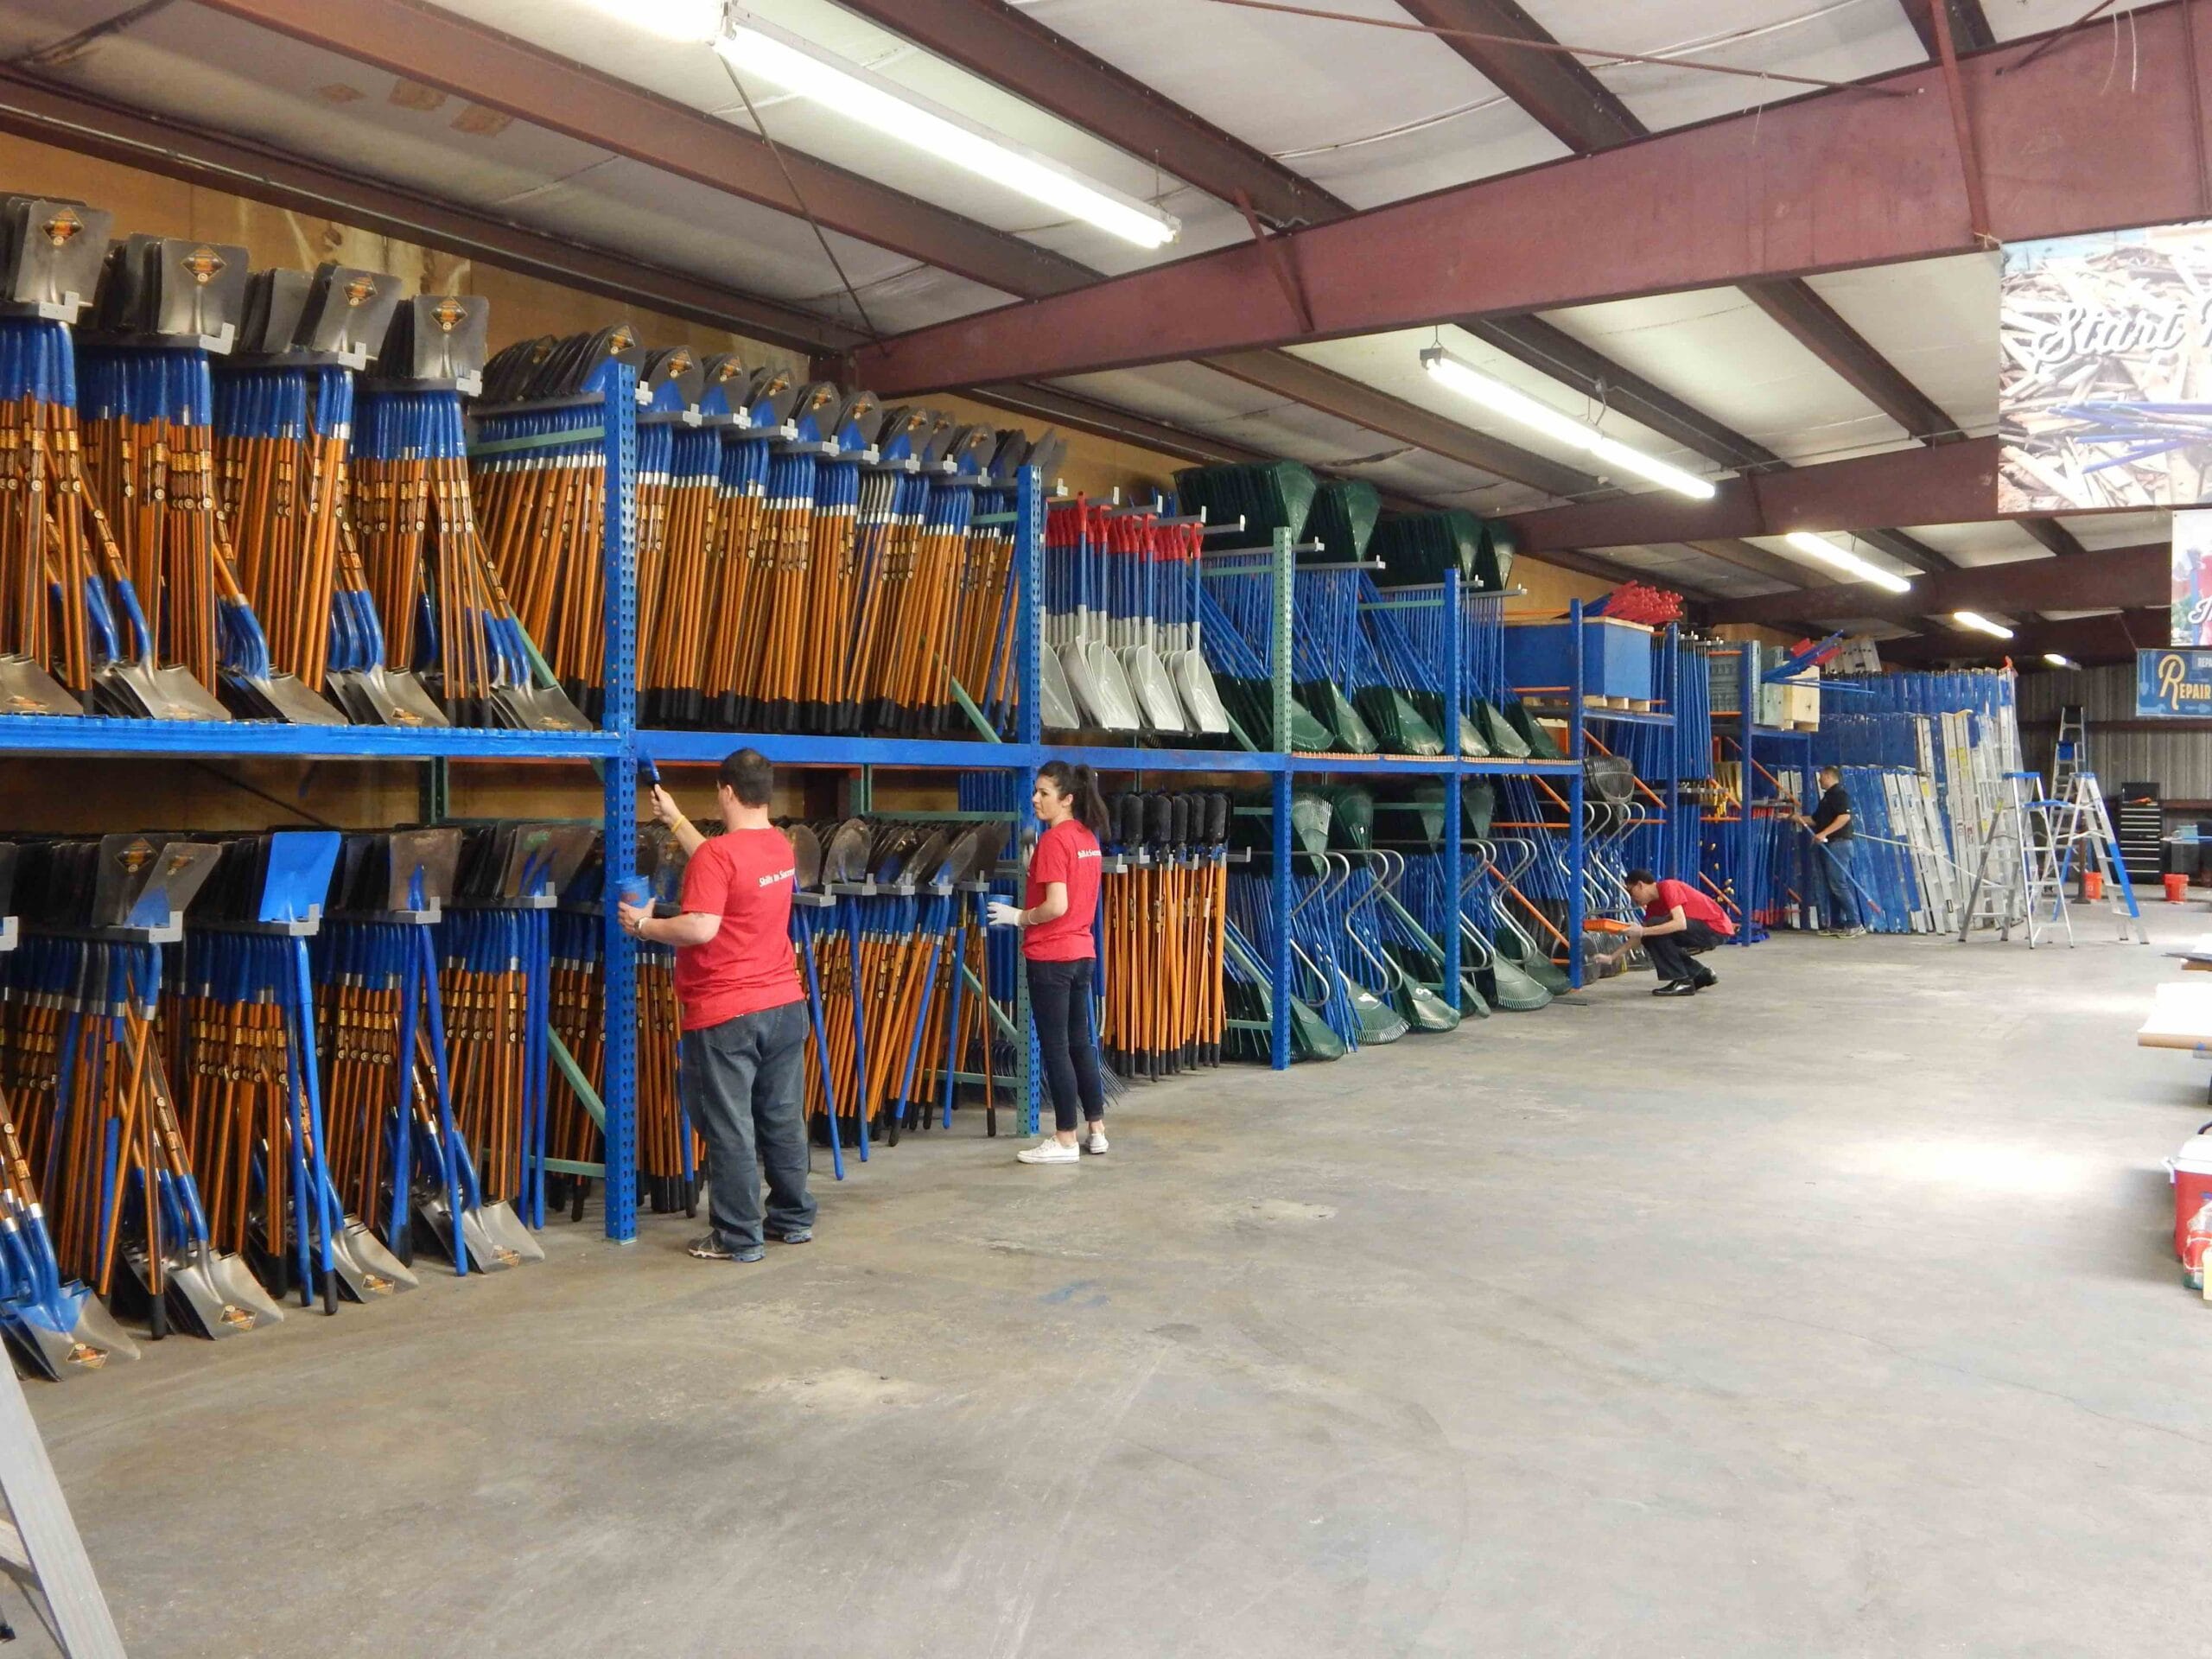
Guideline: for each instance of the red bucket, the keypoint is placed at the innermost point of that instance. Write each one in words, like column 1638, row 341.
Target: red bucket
column 2190, row 1171
column 2176, row 889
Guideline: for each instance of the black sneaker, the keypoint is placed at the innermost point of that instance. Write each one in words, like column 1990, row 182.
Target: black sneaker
column 708, row 1247
column 1677, row 988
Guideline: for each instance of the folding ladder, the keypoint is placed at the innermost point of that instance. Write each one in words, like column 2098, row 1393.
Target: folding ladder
column 39, row 1549
column 2083, row 827
column 2069, row 754
column 2019, row 870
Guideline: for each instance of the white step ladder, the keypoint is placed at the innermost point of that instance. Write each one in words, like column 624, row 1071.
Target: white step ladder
column 2084, row 834
column 40, row 1550
column 2069, row 754
column 2019, row 874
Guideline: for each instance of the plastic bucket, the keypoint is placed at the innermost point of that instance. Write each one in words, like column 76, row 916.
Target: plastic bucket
column 2176, row 889
column 2093, row 886
column 2190, row 1171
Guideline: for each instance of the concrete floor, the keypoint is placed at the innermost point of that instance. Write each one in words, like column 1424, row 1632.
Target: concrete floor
column 1829, row 1313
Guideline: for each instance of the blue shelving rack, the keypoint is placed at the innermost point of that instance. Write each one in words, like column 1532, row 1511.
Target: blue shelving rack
column 618, row 744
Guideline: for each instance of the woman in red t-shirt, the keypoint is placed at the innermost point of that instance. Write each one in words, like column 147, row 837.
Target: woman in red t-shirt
column 1058, row 906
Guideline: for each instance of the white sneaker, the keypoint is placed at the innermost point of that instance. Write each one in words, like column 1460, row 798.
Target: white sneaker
column 1049, row 1151
column 1095, row 1142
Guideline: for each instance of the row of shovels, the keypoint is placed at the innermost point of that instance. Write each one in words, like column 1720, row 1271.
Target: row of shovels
column 1163, row 900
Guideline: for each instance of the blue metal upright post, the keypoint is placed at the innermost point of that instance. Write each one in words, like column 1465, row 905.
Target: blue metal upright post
column 1285, row 590
column 1029, row 738
column 1454, row 680
column 619, row 546
column 1748, row 678
column 1670, row 834
column 1575, row 796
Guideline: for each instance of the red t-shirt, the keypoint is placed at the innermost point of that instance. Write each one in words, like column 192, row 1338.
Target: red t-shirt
column 1696, row 907
column 745, row 877
column 1067, row 852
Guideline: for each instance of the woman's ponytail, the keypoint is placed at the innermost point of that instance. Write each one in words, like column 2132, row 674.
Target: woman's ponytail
column 1080, row 784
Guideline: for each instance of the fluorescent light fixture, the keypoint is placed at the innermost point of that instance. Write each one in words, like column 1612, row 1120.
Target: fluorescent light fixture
column 752, row 46
column 695, row 21
column 1980, row 624
column 1499, row 399
column 2057, row 661
column 1843, row 559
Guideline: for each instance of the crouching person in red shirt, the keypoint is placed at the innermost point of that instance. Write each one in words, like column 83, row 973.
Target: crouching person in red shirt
column 1680, row 923
column 741, row 1063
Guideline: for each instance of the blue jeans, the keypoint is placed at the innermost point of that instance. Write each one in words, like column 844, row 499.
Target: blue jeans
column 744, row 1084
column 1835, row 860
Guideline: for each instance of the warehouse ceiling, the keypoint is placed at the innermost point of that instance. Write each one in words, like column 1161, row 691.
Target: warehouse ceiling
column 552, row 134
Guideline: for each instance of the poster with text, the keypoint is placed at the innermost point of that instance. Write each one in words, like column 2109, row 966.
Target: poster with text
column 2104, row 392
column 2192, row 591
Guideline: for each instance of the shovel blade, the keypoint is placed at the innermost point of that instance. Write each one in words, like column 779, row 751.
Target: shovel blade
column 539, row 709
column 28, row 688
column 380, row 696
column 67, row 1337
column 486, row 1253
column 367, row 1271
column 211, row 1295
column 281, row 697
column 505, row 1228
column 140, row 691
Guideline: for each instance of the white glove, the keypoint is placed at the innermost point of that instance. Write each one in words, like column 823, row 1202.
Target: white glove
column 1002, row 914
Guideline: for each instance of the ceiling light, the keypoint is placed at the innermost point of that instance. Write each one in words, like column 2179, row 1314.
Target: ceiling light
column 2057, row 661
column 752, row 46
column 1502, row 399
column 1843, row 559
column 695, row 21
column 1980, row 624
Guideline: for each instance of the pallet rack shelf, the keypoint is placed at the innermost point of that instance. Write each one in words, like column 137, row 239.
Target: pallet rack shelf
column 620, row 744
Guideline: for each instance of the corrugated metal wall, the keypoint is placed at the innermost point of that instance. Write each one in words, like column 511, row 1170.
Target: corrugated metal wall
column 2180, row 763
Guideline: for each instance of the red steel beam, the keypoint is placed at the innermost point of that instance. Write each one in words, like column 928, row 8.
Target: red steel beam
column 2118, row 577
column 1749, row 555
column 2054, row 537
column 1011, row 49
column 1948, row 484
column 1574, row 107
column 1815, row 325
column 2113, row 638
column 73, row 119
column 1970, row 29
column 1825, row 182
column 439, row 50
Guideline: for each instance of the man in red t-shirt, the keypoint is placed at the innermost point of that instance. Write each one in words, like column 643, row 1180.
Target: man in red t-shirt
column 742, row 1062
column 1679, row 923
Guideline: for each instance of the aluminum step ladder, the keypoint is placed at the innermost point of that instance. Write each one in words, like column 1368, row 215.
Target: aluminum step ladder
column 2019, row 873
column 2087, row 841
column 39, row 1549
column 2069, row 754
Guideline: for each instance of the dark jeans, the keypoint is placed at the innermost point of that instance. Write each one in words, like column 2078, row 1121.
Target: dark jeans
column 1059, row 997
column 1670, row 953
column 1844, row 907
column 744, row 1084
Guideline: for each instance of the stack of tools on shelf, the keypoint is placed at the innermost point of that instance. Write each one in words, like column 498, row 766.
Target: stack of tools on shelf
column 1258, row 500
column 165, row 306
column 1532, row 882
column 679, row 485
column 1637, row 601
column 57, row 553
column 1419, row 548
column 283, row 431
column 90, row 1089
column 888, row 969
column 751, row 410
column 1323, row 1024
column 1407, row 628
column 241, row 1027
column 1163, row 911
column 399, row 1154
column 1344, row 518
column 431, row 578
column 495, row 975
column 52, row 1321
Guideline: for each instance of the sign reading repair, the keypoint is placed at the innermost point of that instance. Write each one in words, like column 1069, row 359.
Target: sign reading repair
column 2171, row 684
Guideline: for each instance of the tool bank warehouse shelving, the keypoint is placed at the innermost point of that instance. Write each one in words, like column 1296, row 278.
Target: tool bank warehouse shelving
column 618, row 744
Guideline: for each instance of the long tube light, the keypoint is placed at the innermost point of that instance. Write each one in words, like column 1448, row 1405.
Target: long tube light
column 1980, row 624
column 753, row 46
column 1499, row 399
column 1843, row 559
column 2057, row 661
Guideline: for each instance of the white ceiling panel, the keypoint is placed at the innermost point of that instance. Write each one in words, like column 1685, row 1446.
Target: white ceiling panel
column 1828, row 39
column 1935, row 322
column 2010, row 19
column 1999, row 542
column 1373, row 115
column 1391, row 363
column 1819, row 571
column 2103, row 530
column 1715, row 350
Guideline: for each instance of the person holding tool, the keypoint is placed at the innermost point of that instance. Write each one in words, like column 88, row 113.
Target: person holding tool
column 1679, row 923
column 741, row 1069
column 1832, row 851
column 1058, row 906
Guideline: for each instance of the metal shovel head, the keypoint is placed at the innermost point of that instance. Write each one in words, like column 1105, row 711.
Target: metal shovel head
column 1055, row 703
column 296, row 881
column 486, row 1253
column 365, row 1270
column 140, row 691
column 505, row 1228
column 539, row 709
column 1155, row 692
column 280, row 696
column 402, row 700
column 806, row 857
column 1201, row 699
column 847, row 857
column 28, row 688
column 67, row 1336
column 206, row 1298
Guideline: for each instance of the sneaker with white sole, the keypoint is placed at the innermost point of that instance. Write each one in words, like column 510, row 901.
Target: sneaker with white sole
column 1048, row 1151
column 1095, row 1142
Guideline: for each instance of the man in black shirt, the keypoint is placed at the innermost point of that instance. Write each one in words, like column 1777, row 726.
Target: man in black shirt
column 1833, row 851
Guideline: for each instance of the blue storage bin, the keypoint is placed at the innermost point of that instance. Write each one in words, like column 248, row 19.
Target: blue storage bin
column 1615, row 658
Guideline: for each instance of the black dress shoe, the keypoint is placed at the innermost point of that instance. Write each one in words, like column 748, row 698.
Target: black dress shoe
column 1677, row 988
